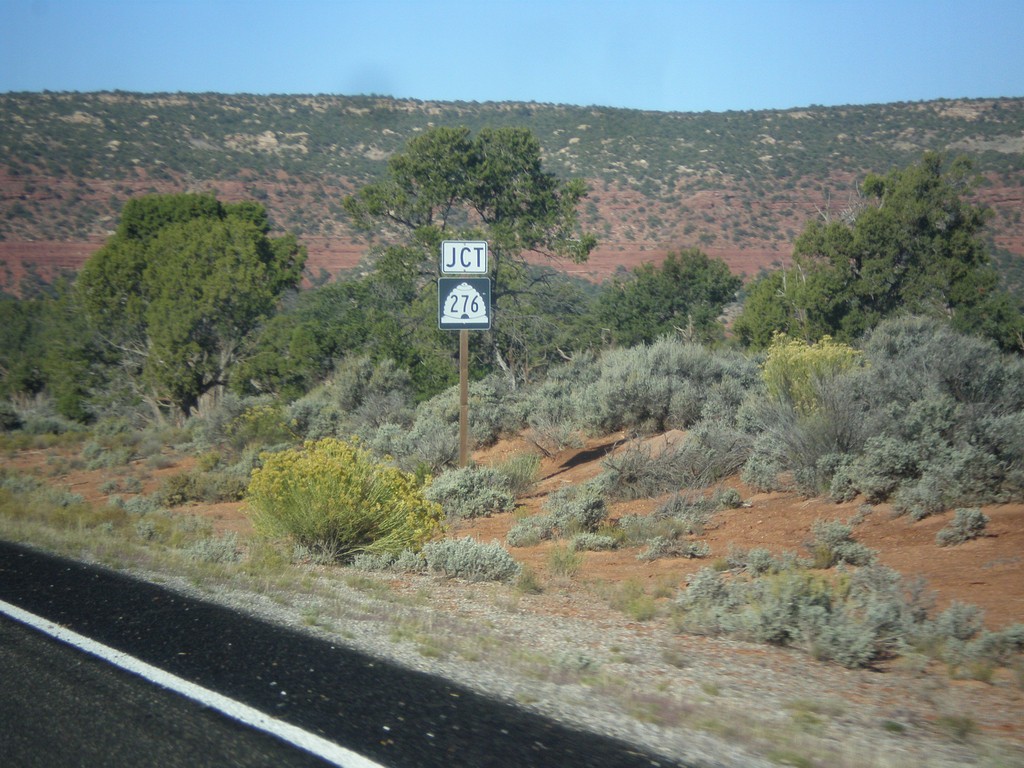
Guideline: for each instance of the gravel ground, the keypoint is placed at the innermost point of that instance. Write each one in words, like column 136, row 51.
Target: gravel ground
column 697, row 700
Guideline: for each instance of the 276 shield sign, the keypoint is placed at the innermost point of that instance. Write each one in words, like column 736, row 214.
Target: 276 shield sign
column 464, row 303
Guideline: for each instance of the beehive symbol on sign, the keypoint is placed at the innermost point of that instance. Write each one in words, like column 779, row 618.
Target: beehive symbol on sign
column 464, row 305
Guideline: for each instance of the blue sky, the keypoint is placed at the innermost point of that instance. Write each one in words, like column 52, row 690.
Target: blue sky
column 646, row 54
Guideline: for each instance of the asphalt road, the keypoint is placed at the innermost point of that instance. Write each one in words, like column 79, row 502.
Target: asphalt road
column 391, row 715
column 62, row 707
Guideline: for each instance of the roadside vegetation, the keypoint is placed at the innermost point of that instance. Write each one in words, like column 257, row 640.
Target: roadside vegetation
column 920, row 416
column 332, row 417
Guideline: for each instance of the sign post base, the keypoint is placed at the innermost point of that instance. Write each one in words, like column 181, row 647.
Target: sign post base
column 463, row 398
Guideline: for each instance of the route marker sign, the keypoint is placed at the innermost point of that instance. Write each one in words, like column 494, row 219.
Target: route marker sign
column 464, row 257
column 464, row 303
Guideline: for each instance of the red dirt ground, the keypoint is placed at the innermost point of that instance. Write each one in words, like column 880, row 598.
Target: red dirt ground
column 988, row 572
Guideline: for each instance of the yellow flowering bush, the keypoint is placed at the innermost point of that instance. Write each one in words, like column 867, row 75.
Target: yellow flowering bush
column 793, row 368
column 336, row 498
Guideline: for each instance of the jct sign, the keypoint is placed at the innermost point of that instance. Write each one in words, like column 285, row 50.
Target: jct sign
column 464, row 257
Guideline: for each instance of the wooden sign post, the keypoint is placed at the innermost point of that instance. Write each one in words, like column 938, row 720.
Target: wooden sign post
column 464, row 304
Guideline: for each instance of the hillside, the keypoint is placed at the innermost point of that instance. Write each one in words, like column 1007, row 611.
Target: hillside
column 739, row 185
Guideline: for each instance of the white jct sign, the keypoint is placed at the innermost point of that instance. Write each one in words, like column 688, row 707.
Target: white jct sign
column 464, row 257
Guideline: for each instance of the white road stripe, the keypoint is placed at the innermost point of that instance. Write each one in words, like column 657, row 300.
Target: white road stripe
column 243, row 713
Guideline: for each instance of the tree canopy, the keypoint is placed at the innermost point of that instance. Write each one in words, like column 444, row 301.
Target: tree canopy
column 451, row 185
column 685, row 294
column 179, row 288
column 915, row 247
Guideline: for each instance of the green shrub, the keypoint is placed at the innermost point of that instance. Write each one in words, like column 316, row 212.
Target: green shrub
column 728, row 498
column 685, row 404
column 336, row 498
column 469, row 559
column 429, row 446
column 530, row 531
column 833, row 544
column 632, row 600
column 959, row 727
column 358, row 398
column 787, row 608
column 713, row 451
column 854, row 620
column 46, row 423
column 1001, row 436
column 17, row 483
column 757, row 561
column 555, row 407
column 840, row 637
column 1000, row 648
column 564, row 561
column 680, row 505
column 893, row 608
column 211, row 426
column 816, row 444
column 10, row 419
column 687, row 515
column 471, row 492
column 638, row 471
column 760, row 560
column 966, row 524
column 640, row 529
column 215, row 549
column 792, row 607
column 663, row 546
column 193, row 486
column 405, row 561
column 32, row 490
column 577, row 509
column 494, row 404
column 723, row 401
column 519, row 472
column 592, row 542
column 708, row 603
column 498, row 409
column 955, row 399
column 841, row 486
column 932, row 420
column 142, row 505
column 960, row 621
column 528, row 583
column 885, row 463
column 631, row 393
column 209, row 461
column 666, row 385
column 765, row 464
column 215, row 487
column 99, row 456
column 178, row 488
column 147, row 530
column 131, row 485
column 926, row 496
